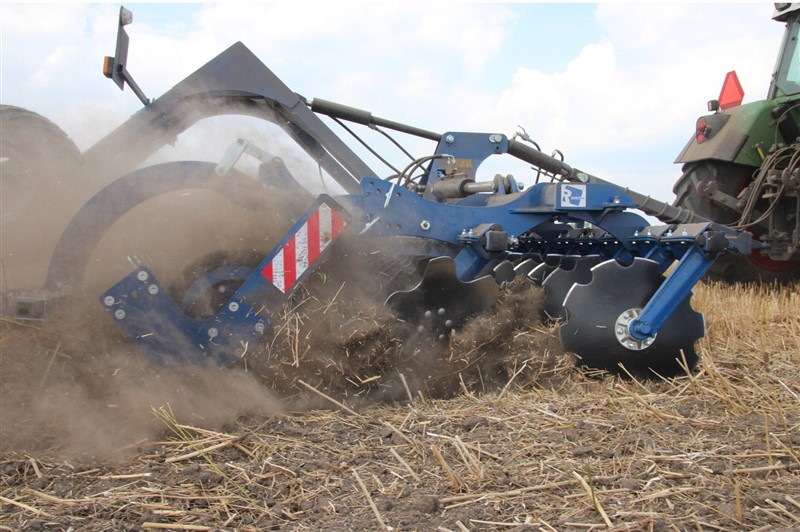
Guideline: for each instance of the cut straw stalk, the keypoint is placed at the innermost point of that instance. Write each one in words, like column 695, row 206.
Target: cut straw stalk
column 468, row 458
column 407, row 389
column 514, row 376
column 457, row 482
column 371, row 503
column 596, row 503
column 49, row 367
column 174, row 526
column 404, row 464
column 24, row 506
column 125, row 477
column 199, row 452
column 329, row 398
column 509, row 493
column 49, row 498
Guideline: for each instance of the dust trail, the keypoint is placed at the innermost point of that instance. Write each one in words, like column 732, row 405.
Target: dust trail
column 74, row 386
column 81, row 395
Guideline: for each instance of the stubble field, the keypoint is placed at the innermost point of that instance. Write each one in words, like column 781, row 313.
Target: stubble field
column 96, row 438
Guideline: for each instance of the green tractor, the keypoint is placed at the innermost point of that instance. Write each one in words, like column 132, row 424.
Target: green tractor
column 742, row 166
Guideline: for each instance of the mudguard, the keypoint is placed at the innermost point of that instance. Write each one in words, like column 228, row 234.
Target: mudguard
column 748, row 126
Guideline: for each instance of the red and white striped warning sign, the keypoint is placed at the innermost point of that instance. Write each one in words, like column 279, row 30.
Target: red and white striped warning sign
column 303, row 248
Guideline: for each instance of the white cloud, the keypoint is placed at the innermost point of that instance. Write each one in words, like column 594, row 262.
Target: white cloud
column 623, row 106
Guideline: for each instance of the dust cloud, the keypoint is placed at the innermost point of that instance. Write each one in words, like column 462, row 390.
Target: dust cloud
column 85, row 394
column 74, row 386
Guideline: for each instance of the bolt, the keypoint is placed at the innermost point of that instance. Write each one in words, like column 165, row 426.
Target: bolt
column 442, row 338
column 441, row 312
column 152, row 289
column 142, row 276
column 108, row 300
column 495, row 138
column 119, row 314
column 449, row 324
column 260, row 327
column 233, row 306
column 421, row 329
column 428, row 314
column 213, row 332
column 449, row 139
column 424, row 225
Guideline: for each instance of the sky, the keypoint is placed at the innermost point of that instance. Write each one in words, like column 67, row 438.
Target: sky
column 616, row 87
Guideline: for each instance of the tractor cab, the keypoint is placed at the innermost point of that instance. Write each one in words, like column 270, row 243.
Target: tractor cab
column 786, row 76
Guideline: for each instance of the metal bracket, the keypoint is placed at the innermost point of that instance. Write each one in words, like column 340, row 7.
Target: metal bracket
column 114, row 67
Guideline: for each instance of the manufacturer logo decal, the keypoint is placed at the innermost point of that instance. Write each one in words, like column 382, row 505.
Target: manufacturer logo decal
column 573, row 195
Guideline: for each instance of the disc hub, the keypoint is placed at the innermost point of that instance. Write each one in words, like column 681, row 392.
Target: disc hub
column 622, row 330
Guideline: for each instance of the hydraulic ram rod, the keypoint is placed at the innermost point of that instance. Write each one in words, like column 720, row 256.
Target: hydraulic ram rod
column 663, row 211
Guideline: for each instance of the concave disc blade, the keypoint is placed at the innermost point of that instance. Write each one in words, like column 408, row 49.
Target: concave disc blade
column 442, row 302
column 524, row 267
column 558, row 283
column 592, row 311
column 504, row 272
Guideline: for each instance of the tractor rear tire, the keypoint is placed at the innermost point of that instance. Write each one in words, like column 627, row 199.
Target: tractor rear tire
column 729, row 178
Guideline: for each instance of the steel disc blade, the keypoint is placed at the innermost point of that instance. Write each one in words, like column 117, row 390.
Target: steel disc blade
column 524, row 267
column 592, row 311
column 538, row 274
column 558, row 283
column 442, row 302
column 504, row 272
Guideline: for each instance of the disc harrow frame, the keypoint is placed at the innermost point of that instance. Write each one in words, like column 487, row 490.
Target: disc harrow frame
column 442, row 211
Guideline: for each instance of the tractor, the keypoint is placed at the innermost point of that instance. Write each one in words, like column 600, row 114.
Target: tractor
column 741, row 167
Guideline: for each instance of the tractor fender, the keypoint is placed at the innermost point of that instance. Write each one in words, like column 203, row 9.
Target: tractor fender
column 747, row 127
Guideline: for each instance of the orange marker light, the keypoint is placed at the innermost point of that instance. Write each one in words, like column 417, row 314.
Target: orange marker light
column 108, row 66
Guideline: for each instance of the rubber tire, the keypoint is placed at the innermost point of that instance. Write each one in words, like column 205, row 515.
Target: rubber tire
column 730, row 178
column 39, row 192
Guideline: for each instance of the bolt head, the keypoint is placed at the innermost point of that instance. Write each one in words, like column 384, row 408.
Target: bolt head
column 142, row 276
